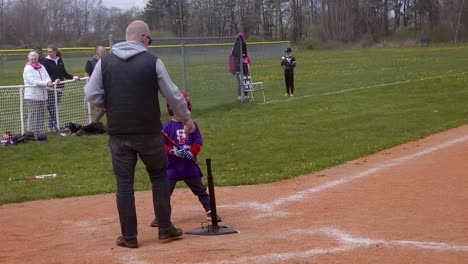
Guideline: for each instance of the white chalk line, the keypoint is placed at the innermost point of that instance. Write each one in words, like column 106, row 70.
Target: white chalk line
column 269, row 209
column 347, row 238
column 89, row 225
column 365, row 87
column 347, row 242
column 126, row 256
column 131, row 257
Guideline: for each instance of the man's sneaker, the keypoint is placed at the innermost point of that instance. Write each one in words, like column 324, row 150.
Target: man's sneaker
column 154, row 223
column 170, row 233
column 130, row 243
column 208, row 217
column 286, row 94
column 292, row 95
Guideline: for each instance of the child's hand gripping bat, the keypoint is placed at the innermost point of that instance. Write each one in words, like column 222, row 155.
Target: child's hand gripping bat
column 179, row 152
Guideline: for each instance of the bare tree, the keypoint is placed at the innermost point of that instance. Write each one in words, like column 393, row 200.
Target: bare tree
column 101, row 21
column 385, row 17
column 38, row 22
column 25, row 18
column 4, row 5
column 296, row 15
column 458, row 21
column 87, row 8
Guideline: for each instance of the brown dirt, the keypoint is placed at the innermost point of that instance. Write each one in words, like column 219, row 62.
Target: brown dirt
column 407, row 204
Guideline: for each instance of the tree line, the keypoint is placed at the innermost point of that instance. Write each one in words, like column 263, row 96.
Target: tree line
column 26, row 23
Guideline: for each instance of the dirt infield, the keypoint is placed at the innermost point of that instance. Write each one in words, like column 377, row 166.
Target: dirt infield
column 408, row 204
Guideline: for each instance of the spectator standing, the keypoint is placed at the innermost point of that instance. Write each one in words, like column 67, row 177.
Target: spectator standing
column 99, row 52
column 289, row 63
column 38, row 50
column 239, row 49
column 238, row 53
column 54, row 65
column 134, row 124
column 36, row 96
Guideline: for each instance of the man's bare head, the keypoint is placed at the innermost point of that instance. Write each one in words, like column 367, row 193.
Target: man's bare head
column 138, row 31
column 100, row 51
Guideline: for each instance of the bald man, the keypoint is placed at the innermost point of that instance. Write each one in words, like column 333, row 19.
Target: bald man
column 126, row 83
column 99, row 52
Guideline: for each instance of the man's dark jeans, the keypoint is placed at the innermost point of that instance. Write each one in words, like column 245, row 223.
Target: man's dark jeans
column 124, row 152
column 198, row 189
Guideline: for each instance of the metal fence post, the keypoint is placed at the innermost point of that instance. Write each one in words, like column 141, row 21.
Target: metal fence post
column 241, row 73
column 21, row 109
column 57, row 119
column 111, row 41
column 184, row 75
column 88, row 106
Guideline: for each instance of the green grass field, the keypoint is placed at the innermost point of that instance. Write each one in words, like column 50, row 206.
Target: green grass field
column 347, row 104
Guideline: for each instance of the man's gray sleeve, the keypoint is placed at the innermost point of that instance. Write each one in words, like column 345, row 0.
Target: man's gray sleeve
column 94, row 90
column 170, row 91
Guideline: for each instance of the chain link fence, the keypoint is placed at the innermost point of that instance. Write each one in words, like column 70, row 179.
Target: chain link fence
column 197, row 65
column 71, row 107
column 201, row 65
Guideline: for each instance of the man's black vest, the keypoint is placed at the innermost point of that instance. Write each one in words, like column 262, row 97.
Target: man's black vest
column 131, row 94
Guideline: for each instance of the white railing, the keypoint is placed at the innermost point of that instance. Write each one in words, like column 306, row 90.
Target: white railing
column 70, row 106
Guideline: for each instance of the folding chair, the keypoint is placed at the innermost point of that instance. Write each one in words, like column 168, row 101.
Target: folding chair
column 252, row 87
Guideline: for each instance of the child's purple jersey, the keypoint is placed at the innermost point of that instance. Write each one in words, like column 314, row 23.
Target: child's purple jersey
column 180, row 168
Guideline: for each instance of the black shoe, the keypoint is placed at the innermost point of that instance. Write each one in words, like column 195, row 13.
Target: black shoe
column 130, row 243
column 154, row 223
column 170, row 233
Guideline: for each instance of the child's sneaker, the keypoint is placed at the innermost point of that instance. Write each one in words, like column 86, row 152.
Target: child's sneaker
column 208, row 216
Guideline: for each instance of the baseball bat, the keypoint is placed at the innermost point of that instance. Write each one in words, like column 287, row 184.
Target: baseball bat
column 169, row 139
column 44, row 176
column 174, row 144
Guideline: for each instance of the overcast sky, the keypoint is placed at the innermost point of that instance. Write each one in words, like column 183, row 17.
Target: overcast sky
column 125, row 4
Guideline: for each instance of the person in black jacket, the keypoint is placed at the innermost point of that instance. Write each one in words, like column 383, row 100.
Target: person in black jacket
column 56, row 69
column 240, row 49
column 239, row 52
column 99, row 52
column 289, row 63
